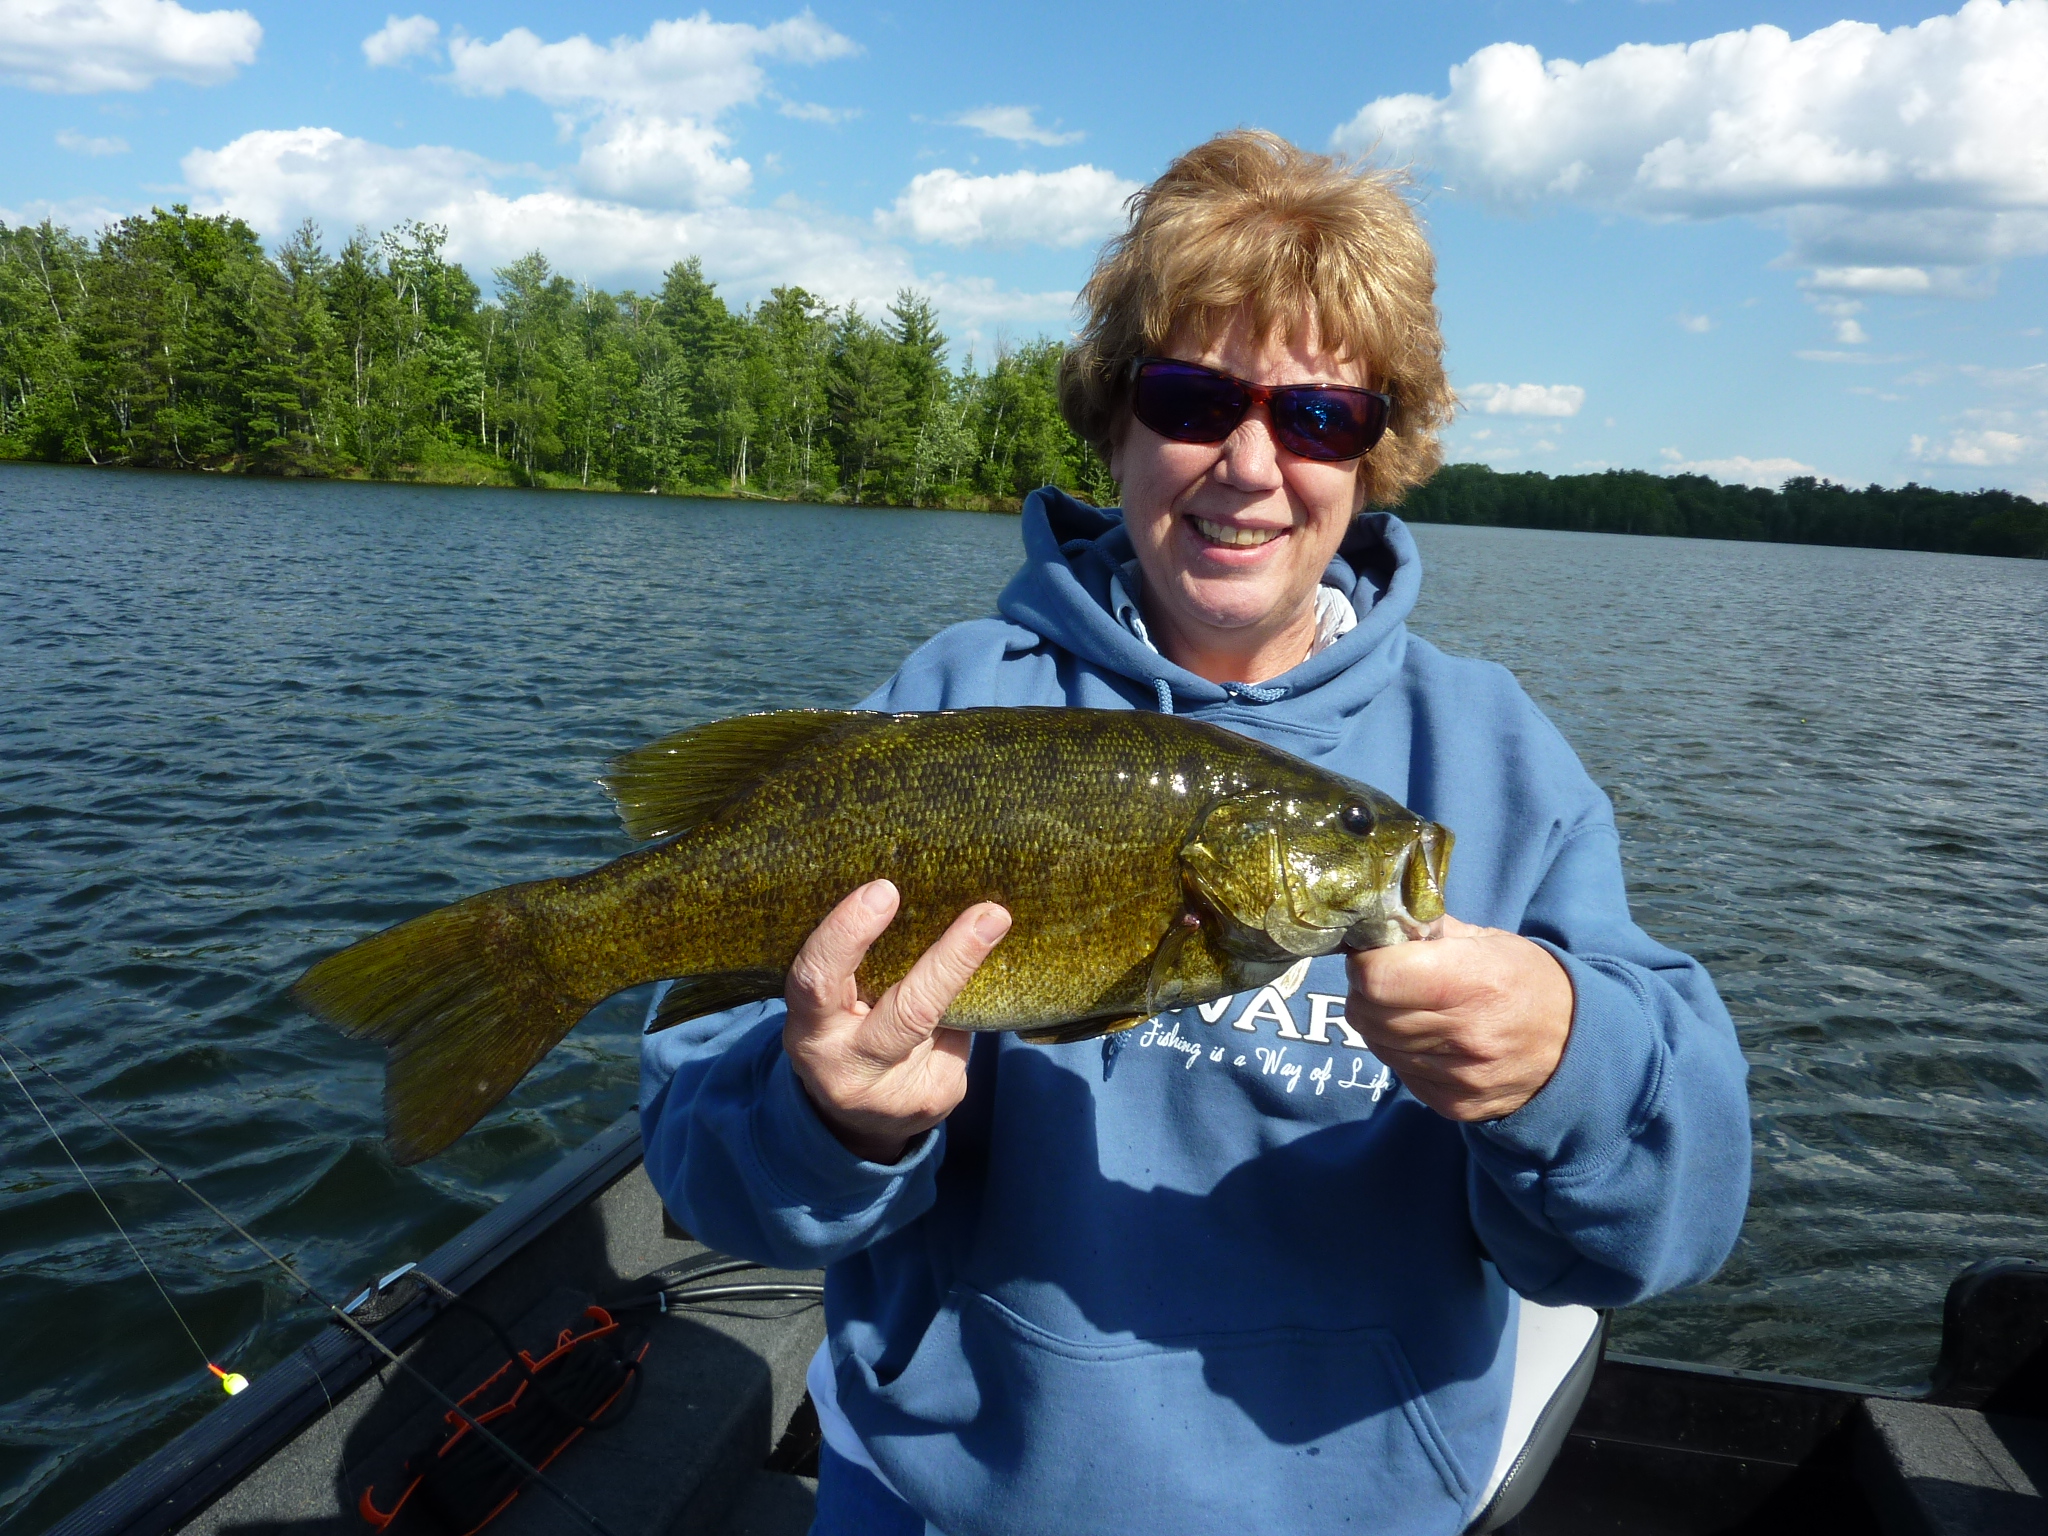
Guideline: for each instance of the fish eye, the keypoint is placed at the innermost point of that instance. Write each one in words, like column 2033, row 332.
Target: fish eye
column 1356, row 818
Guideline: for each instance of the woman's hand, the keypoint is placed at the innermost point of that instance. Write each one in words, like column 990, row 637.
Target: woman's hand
column 1473, row 1023
column 880, row 1075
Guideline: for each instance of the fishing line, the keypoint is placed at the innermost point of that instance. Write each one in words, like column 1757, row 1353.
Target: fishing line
column 539, row 1479
column 204, row 1358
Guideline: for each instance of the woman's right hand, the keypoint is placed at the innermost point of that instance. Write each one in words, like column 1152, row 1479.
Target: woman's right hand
column 880, row 1075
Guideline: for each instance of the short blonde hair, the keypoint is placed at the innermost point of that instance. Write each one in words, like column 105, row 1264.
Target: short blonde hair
column 1250, row 221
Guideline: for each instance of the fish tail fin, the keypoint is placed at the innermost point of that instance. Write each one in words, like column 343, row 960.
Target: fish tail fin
column 462, row 1003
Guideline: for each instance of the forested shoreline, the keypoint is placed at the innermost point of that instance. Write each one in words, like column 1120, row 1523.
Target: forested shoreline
column 175, row 340
column 1802, row 511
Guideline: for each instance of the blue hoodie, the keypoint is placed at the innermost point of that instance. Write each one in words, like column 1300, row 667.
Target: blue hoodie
column 1239, row 1283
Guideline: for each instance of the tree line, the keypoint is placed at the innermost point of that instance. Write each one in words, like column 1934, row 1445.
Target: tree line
column 1804, row 510
column 176, row 340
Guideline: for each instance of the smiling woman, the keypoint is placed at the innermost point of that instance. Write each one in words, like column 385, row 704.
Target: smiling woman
column 1253, row 1242
column 1277, row 268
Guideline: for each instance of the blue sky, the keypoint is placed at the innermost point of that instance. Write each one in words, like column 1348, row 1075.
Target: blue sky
column 1755, row 239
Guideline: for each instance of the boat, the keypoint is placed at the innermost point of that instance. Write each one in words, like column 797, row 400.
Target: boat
column 721, row 1438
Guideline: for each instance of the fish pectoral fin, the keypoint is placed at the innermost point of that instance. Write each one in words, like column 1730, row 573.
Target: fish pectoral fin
column 691, row 997
column 670, row 785
column 1084, row 1029
column 1188, row 967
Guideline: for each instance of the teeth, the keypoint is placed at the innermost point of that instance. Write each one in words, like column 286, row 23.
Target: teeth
column 1223, row 533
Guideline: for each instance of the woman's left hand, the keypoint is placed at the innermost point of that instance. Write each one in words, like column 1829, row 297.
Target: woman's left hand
column 1473, row 1022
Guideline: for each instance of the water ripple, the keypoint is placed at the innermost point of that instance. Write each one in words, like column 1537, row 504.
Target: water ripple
column 1827, row 765
column 245, row 722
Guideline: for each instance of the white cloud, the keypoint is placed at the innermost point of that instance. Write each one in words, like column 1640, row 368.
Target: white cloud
column 274, row 178
column 402, row 38
column 1069, row 207
column 1019, row 125
column 1769, row 472
column 649, row 106
column 1525, row 399
column 813, row 112
column 672, row 162
column 1849, row 331
column 980, row 299
column 81, row 46
column 1925, row 144
column 79, row 144
column 1872, row 279
column 2031, row 379
column 1820, row 355
column 1946, row 282
column 77, row 214
column 1699, row 325
column 692, row 67
column 1981, row 449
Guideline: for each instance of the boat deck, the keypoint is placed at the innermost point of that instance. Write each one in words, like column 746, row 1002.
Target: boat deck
column 721, row 1432
column 717, row 1393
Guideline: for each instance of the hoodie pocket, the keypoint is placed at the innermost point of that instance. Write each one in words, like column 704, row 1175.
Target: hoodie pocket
column 998, row 1424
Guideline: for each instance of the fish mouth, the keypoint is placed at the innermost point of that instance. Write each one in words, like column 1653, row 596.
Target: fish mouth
column 1231, row 536
column 1413, row 908
column 1395, row 926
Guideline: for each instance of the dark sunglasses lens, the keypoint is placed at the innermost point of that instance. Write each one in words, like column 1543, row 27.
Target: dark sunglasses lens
column 1188, row 405
column 1327, row 423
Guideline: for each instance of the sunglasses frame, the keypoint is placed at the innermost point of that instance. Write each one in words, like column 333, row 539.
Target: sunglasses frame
column 1264, row 394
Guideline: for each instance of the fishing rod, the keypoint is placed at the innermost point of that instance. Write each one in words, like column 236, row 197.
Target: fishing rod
column 539, row 1478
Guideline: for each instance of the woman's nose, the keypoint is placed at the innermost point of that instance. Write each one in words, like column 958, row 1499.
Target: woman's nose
column 1250, row 460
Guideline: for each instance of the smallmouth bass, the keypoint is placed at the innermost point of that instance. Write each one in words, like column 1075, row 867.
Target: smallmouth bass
column 1148, row 862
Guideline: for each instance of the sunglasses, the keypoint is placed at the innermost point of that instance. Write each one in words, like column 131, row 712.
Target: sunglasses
column 1192, row 404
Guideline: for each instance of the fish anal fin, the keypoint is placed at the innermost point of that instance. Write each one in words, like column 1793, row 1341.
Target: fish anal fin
column 691, row 997
column 670, row 785
column 1084, row 1029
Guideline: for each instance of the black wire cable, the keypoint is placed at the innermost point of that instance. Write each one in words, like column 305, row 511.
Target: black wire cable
column 766, row 1290
column 539, row 1478
column 677, row 1286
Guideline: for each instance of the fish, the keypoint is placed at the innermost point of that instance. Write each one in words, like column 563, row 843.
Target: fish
column 1148, row 861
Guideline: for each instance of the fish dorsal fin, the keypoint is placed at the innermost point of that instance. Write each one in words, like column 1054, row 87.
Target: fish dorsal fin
column 670, row 785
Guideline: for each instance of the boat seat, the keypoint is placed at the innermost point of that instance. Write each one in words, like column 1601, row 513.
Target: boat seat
column 1557, row 1350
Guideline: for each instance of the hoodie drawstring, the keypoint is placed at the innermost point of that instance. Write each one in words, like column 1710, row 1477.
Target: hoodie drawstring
column 1251, row 691
column 1255, row 693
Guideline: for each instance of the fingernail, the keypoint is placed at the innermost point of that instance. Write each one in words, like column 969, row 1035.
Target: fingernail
column 992, row 925
column 878, row 896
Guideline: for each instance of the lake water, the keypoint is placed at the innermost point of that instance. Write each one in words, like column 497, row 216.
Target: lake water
column 243, row 722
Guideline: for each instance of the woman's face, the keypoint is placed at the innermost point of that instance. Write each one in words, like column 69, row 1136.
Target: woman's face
column 1233, row 537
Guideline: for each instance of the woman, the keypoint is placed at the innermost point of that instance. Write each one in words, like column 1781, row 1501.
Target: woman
column 1243, row 1282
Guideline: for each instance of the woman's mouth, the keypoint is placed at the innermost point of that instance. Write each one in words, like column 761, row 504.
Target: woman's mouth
column 1235, row 538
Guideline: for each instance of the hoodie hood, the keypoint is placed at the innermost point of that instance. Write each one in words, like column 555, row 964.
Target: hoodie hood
column 1071, row 550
